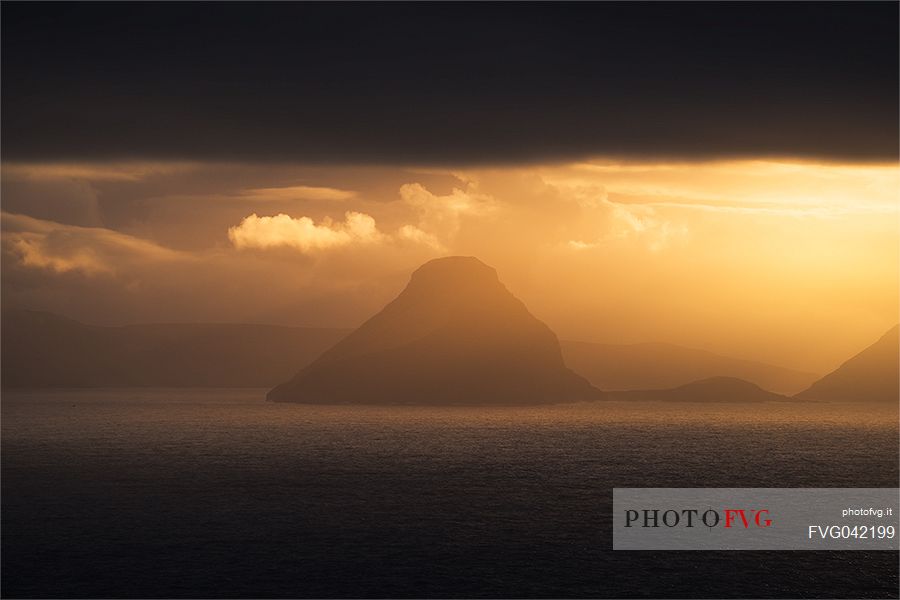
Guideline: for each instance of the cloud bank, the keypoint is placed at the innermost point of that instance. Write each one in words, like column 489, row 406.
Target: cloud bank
column 699, row 82
column 90, row 251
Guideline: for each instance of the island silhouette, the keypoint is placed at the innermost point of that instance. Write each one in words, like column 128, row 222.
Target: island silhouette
column 713, row 389
column 656, row 365
column 870, row 376
column 454, row 335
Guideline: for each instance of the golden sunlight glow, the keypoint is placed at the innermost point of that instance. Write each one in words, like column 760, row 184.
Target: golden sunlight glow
column 789, row 262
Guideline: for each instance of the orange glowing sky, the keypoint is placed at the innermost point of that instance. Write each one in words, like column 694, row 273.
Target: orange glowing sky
column 793, row 263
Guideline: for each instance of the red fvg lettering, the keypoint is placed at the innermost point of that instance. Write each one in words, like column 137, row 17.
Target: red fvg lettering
column 756, row 517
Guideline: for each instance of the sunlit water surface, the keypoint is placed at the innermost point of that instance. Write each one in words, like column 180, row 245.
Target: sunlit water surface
column 148, row 493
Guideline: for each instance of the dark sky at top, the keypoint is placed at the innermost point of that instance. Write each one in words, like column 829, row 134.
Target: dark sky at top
column 448, row 83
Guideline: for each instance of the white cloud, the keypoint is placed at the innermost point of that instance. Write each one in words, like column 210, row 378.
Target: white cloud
column 302, row 233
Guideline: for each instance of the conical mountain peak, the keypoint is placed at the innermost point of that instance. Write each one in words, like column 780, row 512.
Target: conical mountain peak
column 455, row 335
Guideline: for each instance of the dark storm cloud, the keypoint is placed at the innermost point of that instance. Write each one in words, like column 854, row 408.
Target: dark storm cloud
column 437, row 83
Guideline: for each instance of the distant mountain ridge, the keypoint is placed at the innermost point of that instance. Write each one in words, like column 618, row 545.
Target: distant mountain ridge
column 454, row 335
column 247, row 355
column 41, row 349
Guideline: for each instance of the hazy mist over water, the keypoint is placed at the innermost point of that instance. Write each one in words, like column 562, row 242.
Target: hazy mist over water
column 216, row 492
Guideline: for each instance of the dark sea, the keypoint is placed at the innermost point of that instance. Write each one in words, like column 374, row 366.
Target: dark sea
column 218, row 493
